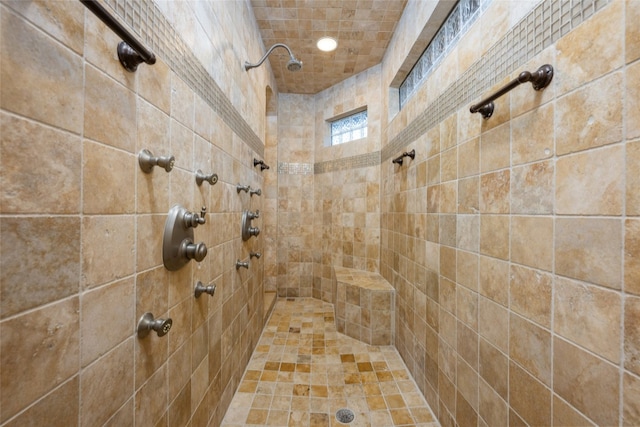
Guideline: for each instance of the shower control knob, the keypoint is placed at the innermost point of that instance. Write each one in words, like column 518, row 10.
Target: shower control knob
column 255, row 254
column 254, row 231
column 257, row 192
column 193, row 251
column 244, row 188
column 191, row 219
column 200, row 289
column 147, row 161
column 211, row 178
column 253, row 215
column 147, row 324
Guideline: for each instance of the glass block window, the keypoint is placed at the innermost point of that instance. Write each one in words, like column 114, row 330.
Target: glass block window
column 459, row 20
column 349, row 128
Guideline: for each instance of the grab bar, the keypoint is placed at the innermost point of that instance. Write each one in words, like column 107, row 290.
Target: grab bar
column 399, row 159
column 130, row 51
column 539, row 79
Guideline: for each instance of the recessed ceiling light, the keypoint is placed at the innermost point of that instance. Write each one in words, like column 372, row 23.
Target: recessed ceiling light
column 327, row 44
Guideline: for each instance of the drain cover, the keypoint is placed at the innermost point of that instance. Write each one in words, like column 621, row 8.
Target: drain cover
column 345, row 416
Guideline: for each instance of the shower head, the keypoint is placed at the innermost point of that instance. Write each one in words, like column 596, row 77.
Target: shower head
column 292, row 65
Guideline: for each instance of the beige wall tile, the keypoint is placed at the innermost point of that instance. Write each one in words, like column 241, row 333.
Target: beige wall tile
column 588, row 383
column 108, row 247
column 468, row 232
column 565, row 415
column 590, row 116
column 39, row 261
column 530, row 294
column 41, row 168
column 449, row 165
column 589, row 249
column 107, row 314
column 533, row 135
column 151, row 399
column 532, row 241
column 467, row 270
column 631, row 397
column 494, row 236
column 530, row 347
column 528, row 397
column 469, row 158
column 182, row 101
column 589, row 316
column 632, row 256
column 41, row 78
column 494, row 279
column 106, row 385
column 62, row 20
column 62, row 405
column 152, row 84
column 492, row 408
column 493, row 324
column 631, row 334
column 494, row 192
column 34, row 363
column 494, row 369
column 632, row 106
column 468, row 195
column 576, row 62
column 532, row 188
column 632, row 178
column 495, row 148
column 107, row 175
column 590, row 183
column 632, row 33
column 149, row 240
column 109, row 111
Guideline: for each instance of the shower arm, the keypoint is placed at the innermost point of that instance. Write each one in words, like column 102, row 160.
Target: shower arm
column 248, row 66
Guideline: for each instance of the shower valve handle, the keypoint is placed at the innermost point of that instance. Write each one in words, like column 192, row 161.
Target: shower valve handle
column 191, row 219
column 253, row 215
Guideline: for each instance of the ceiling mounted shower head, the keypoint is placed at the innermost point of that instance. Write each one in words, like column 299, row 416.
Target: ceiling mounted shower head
column 292, row 65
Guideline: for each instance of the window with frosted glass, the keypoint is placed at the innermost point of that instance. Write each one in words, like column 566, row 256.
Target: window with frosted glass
column 349, row 128
column 456, row 24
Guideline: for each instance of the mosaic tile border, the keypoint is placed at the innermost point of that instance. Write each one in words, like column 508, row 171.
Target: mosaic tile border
column 353, row 162
column 543, row 26
column 153, row 29
column 295, row 168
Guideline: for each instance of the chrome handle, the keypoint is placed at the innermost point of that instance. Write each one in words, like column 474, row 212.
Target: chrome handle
column 200, row 289
column 257, row 192
column 147, row 324
column 254, row 231
column 191, row 219
column 147, row 161
column 253, row 215
column 211, row 178
column 192, row 250
column 244, row 188
column 242, row 264
column 255, row 254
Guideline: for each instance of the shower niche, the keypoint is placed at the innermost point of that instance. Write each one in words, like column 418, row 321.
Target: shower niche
column 178, row 247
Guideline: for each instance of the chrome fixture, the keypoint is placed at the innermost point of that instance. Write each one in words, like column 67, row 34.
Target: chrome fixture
column 200, row 289
column 539, row 80
column 147, row 161
column 240, row 264
column 130, row 51
column 147, row 324
column 292, row 65
column 178, row 247
column 400, row 158
column 247, row 229
column 255, row 254
column 262, row 164
column 244, row 188
column 212, row 178
column 257, row 192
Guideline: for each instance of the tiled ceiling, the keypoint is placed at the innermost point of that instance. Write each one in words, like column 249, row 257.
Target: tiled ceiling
column 362, row 28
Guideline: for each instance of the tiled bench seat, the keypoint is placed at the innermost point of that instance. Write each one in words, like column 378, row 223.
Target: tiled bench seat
column 364, row 305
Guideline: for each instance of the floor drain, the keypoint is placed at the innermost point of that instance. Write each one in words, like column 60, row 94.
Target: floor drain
column 345, row 416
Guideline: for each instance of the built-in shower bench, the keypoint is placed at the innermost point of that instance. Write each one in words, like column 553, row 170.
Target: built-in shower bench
column 364, row 304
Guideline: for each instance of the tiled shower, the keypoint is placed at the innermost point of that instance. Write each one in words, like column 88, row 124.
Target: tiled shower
column 512, row 243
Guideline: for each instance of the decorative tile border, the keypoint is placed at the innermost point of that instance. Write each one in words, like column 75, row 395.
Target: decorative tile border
column 295, row 168
column 542, row 27
column 354, row 162
column 153, row 29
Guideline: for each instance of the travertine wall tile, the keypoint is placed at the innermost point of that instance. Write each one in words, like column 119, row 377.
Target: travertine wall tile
column 532, row 188
column 589, row 249
column 528, row 397
column 632, row 256
column 632, row 105
column 530, row 294
column 532, row 241
column 530, row 347
column 631, row 397
column 533, row 135
column 565, row 415
column 631, row 334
